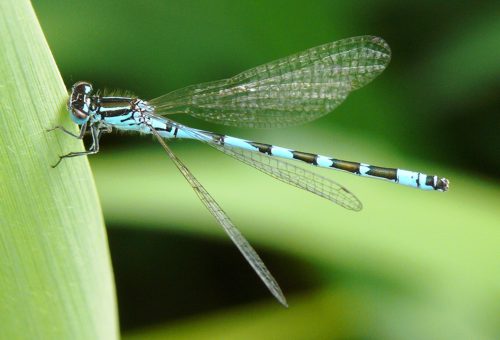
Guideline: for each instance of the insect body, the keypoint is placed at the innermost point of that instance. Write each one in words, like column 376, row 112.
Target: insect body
column 289, row 91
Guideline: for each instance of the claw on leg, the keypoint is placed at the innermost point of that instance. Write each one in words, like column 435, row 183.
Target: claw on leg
column 58, row 162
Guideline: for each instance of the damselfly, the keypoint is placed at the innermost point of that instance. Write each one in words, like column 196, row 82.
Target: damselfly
column 288, row 91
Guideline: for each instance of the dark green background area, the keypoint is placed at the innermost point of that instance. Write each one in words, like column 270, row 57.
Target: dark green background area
column 410, row 265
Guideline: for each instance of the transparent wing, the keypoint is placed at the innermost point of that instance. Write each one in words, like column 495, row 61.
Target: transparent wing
column 296, row 176
column 288, row 91
column 287, row 172
column 238, row 239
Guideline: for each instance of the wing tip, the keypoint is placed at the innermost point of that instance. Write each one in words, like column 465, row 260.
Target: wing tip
column 283, row 302
column 278, row 294
column 380, row 43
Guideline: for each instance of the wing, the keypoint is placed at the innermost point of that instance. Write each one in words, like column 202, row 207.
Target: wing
column 238, row 239
column 286, row 172
column 289, row 91
column 296, row 176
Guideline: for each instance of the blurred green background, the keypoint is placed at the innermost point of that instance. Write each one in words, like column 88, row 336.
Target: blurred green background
column 411, row 265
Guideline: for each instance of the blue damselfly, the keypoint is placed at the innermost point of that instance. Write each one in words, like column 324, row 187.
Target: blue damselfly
column 288, row 91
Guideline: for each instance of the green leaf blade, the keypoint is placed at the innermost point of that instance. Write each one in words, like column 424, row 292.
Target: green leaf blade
column 55, row 272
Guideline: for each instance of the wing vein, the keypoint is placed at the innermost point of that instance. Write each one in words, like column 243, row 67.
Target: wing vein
column 288, row 91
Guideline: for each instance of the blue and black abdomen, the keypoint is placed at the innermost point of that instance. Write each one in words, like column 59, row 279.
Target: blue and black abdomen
column 400, row 176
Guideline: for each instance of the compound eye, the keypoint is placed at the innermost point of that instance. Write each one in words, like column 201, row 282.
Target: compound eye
column 79, row 113
column 82, row 87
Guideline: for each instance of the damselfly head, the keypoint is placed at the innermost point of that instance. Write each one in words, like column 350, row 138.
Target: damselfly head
column 79, row 103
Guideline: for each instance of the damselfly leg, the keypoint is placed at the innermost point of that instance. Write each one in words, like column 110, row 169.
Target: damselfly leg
column 96, row 130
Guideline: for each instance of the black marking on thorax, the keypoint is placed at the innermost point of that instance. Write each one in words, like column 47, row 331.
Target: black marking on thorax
column 130, row 116
column 115, row 106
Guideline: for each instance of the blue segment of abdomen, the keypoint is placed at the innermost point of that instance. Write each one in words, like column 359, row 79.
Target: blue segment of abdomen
column 404, row 177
